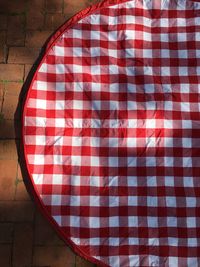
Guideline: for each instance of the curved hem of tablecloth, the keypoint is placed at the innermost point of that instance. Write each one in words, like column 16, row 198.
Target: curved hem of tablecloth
column 66, row 25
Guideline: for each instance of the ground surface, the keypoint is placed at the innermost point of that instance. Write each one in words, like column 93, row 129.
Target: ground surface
column 26, row 238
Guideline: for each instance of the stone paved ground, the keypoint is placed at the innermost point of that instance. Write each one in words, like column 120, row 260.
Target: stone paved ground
column 26, row 239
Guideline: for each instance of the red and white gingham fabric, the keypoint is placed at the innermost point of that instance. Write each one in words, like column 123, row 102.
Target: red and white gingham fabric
column 111, row 129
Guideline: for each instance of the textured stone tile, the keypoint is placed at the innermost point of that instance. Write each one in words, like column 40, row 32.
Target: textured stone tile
column 3, row 22
column 37, row 38
column 3, row 47
column 23, row 55
column 22, row 246
column 11, row 72
column 16, row 30
column 44, row 232
column 35, row 21
column 54, row 6
column 54, row 21
column 54, row 256
column 21, row 192
column 80, row 262
column 6, row 232
column 8, row 172
column 8, row 150
column 5, row 255
column 16, row 211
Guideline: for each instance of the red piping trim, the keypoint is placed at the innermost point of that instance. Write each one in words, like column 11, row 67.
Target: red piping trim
column 67, row 25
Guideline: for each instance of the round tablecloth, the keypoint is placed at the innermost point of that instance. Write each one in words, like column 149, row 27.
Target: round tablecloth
column 111, row 133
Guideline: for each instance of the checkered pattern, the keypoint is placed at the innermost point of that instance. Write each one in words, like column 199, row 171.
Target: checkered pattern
column 111, row 133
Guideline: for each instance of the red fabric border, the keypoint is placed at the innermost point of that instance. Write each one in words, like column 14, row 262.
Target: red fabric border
column 67, row 25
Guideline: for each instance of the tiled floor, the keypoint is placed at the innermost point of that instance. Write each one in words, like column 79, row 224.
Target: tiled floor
column 26, row 238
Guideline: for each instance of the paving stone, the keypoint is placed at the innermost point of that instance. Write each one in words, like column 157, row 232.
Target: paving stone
column 13, row 88
column 22, row 246
column 54, row 256
column 34, row 5
column 19, row 173
column 72, row 7
column 54, row 6
column 3, row 47
column 8, row 150
column 80, row 262
column 8, row 172
column 21, row 192
column 23, row 55
column 7, row 128
column 54, row 21
column 6, row 232
column 2, row 88
column 35, row 21
column 28, row 67
column 44, row 232
column 3, row 22
column 5, row 255
column 16, row 211
column 9, row 106
column 11, row 72
column 16, row 30
column 13, row 7
column 37, row 38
